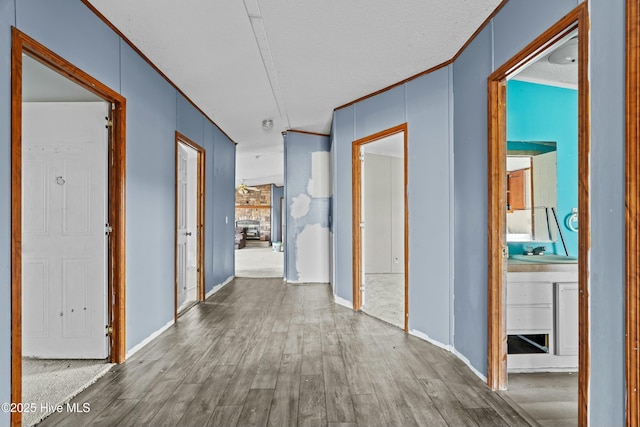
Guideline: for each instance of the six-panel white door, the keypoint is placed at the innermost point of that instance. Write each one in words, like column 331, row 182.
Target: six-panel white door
column 64, row 246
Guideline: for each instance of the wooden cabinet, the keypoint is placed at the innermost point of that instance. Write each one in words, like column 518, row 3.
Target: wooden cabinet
column 516, row 191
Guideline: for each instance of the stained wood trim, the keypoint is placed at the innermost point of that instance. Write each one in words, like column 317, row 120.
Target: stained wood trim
column 479, row 30
column 356, row 198
column 151, row 64
column 633, row 213
column 497, row 191
column 305, row 132
column 497, row 355
column 432, row 69
column 200, row 218
column 584, row 215
column 16, row 226
column 21, row 43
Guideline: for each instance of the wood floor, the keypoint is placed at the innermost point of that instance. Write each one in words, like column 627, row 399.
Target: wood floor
column 261, row 352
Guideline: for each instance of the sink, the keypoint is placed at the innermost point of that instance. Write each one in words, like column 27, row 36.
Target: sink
column 546, row 259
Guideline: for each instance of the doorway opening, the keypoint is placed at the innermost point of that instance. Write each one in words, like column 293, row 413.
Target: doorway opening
column 189, row 233
column 259, row 238
column 67, row 227
column 380, row 226
column 538, row 195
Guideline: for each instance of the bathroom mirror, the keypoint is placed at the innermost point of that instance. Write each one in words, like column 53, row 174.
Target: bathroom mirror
column 531, row 191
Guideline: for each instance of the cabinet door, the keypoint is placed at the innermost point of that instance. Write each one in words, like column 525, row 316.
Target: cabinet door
column 567, row 319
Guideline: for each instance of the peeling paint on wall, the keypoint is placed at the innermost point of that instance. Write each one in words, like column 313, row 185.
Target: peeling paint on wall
column 300, row 206
column 307, row 193
column 320, row 181
column 311, row 244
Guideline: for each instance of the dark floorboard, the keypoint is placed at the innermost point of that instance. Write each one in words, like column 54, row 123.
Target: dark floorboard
column 261, row 352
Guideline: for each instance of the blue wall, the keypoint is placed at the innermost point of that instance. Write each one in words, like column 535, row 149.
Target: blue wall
column 298, row 150
column 538, row 112
column 424, row 104
column 276, row 194
column 155, row 110
column 516, row 25
column 607, row 197
column 6, row 20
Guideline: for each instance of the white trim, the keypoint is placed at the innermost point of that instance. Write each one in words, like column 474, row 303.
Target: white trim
column 426, row 337
column 297, row 282
column 449, row 348
column 220, row 286
column 343, row 302
column 544, row 82
column 147, row 340
column 468, row 363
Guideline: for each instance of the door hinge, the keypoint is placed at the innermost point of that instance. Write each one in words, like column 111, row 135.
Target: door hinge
column 362, row 225
column 109, row 329
column 108, row 229
column 109, row 122
column 362, row 157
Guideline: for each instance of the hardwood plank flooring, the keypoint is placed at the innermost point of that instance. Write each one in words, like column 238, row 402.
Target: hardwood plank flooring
column 261, row 352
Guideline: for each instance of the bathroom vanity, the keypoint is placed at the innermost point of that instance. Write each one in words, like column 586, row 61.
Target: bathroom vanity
column 542, row 314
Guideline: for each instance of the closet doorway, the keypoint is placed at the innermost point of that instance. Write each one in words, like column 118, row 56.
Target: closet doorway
column 189, row 233
column 380, row 226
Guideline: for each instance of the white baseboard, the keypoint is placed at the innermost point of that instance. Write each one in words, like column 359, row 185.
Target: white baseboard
column 220, row 286
column 147, row 340
column 449, row 348
column 430, row 340
column 297, row 282
column 468, row 363
column 343, row 302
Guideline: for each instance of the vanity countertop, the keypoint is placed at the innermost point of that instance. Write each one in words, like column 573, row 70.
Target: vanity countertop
column 525, row 266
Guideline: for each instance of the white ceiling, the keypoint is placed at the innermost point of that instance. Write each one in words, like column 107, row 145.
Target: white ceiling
column 290, row 61
column 545, row 72
column 392, row 145
column 42, row 84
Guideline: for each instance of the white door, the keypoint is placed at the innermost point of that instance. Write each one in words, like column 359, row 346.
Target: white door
column 64, row 246
column 186, row 251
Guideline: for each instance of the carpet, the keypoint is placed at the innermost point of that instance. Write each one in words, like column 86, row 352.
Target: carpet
column 51, row 382
column 259, row 262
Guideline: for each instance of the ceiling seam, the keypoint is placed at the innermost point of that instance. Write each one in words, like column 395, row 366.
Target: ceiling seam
column 148, row 61
column 257, row 23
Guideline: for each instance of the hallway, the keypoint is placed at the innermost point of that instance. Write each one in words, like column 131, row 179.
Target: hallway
column 260, row 352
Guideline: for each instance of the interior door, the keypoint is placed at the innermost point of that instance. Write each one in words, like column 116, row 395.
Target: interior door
column 182, row 226
column 64, row 245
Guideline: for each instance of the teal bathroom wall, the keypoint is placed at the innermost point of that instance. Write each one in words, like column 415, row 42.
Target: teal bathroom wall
column 538, row 112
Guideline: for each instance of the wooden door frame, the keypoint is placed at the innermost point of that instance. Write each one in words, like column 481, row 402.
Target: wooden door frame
column 357, row 216
column 200, row 218
column 633, row 212
column 497, row 351
column 21, row 43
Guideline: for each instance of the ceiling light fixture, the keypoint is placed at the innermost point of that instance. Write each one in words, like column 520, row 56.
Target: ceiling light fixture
column 565, row 54
column 267, row 124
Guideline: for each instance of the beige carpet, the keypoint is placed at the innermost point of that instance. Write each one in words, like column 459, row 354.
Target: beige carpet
column 384, row 297
column 259, row 262
column 52, row 382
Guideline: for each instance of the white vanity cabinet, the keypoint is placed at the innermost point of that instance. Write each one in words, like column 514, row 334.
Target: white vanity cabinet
column 542, row 299
column 566, row 302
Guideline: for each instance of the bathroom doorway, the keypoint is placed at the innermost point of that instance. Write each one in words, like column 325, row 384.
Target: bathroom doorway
column 380, row 226
column 539, row 221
